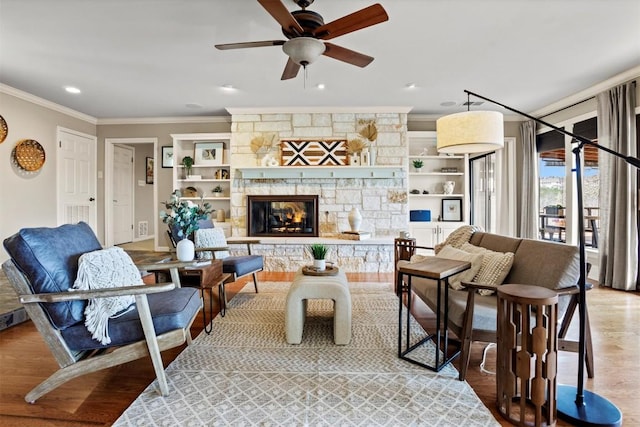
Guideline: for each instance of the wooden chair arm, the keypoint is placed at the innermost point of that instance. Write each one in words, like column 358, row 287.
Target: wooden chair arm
column 425, row 247
column 213, row 249
column 475, row 285
column 96, row 293
column 243, row 241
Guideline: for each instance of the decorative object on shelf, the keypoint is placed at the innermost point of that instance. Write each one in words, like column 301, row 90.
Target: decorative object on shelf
column 425, row 192
column 183, row 216
column 221, row 174
column 420, row 215
column 354, row 159
column 319, row 252
column 415, row 191
column 365, row 157
column 355, row 219
column 149, row 170
column 29, row 155
column 449, row 170
column 369, row 131
column 217, row 191
column 262, row 145
column 4, row 129
column 310, row 152
column 451, row 209
column 190, row 192
column 220, row 215
column 208, row 153
column 417, row 165
column 187, row 162
column 395, row 196
column 448, row 187
column 167, row 156
column 269, row 161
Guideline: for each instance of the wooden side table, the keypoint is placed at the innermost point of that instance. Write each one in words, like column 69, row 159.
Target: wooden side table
column 439, row 269
column 527, row 354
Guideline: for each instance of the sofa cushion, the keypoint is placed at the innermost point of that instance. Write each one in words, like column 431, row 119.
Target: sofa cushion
column 48, row 257
column 170, row 310
column 495, row 266
column 449, row 252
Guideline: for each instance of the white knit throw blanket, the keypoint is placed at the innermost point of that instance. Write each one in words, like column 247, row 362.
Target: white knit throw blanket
column 101, row 269
column 459, row 237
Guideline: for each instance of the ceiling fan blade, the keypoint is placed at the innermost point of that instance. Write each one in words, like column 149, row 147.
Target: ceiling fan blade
column 363, row 18
column 347, row 55
column 243, row 45
column 281, row 14
column 290, row 70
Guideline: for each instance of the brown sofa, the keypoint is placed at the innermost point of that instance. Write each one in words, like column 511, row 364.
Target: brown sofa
column 472, row 317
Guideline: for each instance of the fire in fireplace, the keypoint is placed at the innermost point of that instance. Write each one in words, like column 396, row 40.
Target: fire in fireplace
column 291, row 216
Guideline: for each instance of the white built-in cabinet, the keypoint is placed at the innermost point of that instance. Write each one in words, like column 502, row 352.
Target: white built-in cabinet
column 426, row 187
column 206, row 174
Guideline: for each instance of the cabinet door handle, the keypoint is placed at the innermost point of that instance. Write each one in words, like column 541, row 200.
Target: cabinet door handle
column 91, row 199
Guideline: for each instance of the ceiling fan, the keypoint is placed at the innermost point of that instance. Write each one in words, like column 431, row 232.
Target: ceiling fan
column 306, row 30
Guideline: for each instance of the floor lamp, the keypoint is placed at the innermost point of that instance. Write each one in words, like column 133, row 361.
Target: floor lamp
column 477, row 131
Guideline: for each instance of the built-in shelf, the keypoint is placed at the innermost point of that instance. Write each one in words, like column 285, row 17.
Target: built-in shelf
column 437, row 173
column 203, row 180
column 321, row 172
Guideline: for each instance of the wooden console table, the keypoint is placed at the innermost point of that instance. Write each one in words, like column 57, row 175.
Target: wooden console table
column 439, row 269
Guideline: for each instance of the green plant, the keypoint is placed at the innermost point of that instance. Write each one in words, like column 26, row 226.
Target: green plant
column 187, row 162
column 218, row 189
column 318, row 250
column 418, row 164
column 183, row 216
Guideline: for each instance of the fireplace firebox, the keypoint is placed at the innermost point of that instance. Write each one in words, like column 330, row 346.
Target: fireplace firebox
column 282, row 216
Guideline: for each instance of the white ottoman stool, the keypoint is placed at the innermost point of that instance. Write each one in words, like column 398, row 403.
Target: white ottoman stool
column 304, row 288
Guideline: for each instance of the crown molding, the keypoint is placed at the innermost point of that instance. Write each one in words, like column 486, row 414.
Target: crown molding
column 434, row 117
column 164, row 120
column 46, row 104
column 590, row 92
column 311, row 110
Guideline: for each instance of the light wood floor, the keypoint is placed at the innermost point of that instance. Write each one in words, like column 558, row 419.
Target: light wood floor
column 100, row 398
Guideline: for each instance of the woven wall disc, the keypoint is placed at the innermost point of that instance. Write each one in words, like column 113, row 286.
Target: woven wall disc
column 29, row 155
column 4, row 129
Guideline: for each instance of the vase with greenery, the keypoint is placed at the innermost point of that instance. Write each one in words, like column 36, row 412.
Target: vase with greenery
column 187, row 162
column 217, row 192
column 319, row 252
column 417, row 165
column 183, row 218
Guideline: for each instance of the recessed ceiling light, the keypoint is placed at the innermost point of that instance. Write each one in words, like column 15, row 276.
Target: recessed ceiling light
column 228, row 87
column 448, row 104
column 193, row 105
column 320, row 86
column 410, row 85
column 72, row 89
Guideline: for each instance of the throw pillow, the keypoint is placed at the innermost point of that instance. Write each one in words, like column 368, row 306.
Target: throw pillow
column 495, row 266
column 449, row 252
column 103, row 269
column 211, row 238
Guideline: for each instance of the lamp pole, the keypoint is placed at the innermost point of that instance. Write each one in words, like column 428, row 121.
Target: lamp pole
column 575, row 404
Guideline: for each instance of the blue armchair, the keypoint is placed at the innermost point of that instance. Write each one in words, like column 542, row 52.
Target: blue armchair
column 42, row 269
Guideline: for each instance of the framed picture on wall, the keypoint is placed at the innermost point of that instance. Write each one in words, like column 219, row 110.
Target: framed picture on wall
column 167, row 156
column 208, row 153
column 451, row 209
column 149, row 170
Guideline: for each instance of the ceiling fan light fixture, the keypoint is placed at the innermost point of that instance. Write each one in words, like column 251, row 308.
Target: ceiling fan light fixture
column 303, row 50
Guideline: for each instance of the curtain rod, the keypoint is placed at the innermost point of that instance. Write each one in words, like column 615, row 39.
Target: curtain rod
column 576, row 103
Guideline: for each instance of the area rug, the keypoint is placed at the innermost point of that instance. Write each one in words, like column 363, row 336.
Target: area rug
column 245, row 373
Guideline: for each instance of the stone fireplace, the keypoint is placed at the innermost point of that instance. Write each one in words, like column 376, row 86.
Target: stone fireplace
column 282, row 216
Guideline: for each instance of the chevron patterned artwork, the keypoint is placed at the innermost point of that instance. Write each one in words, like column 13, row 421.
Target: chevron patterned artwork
column 314, row 152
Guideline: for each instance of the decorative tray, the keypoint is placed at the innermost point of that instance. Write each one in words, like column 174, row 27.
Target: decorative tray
column 309, row 270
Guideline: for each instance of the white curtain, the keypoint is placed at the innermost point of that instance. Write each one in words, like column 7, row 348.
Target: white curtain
column 618, row 241
column 506, row 215
column 529, row 227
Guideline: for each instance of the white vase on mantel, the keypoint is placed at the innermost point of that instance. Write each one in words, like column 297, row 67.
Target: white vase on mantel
column 355, row 219
column 185, row 250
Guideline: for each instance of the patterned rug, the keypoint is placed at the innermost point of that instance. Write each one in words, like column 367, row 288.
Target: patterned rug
column 245, row 373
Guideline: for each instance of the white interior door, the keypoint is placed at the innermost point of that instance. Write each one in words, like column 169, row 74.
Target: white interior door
column 122, row 194
column 76, row 175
